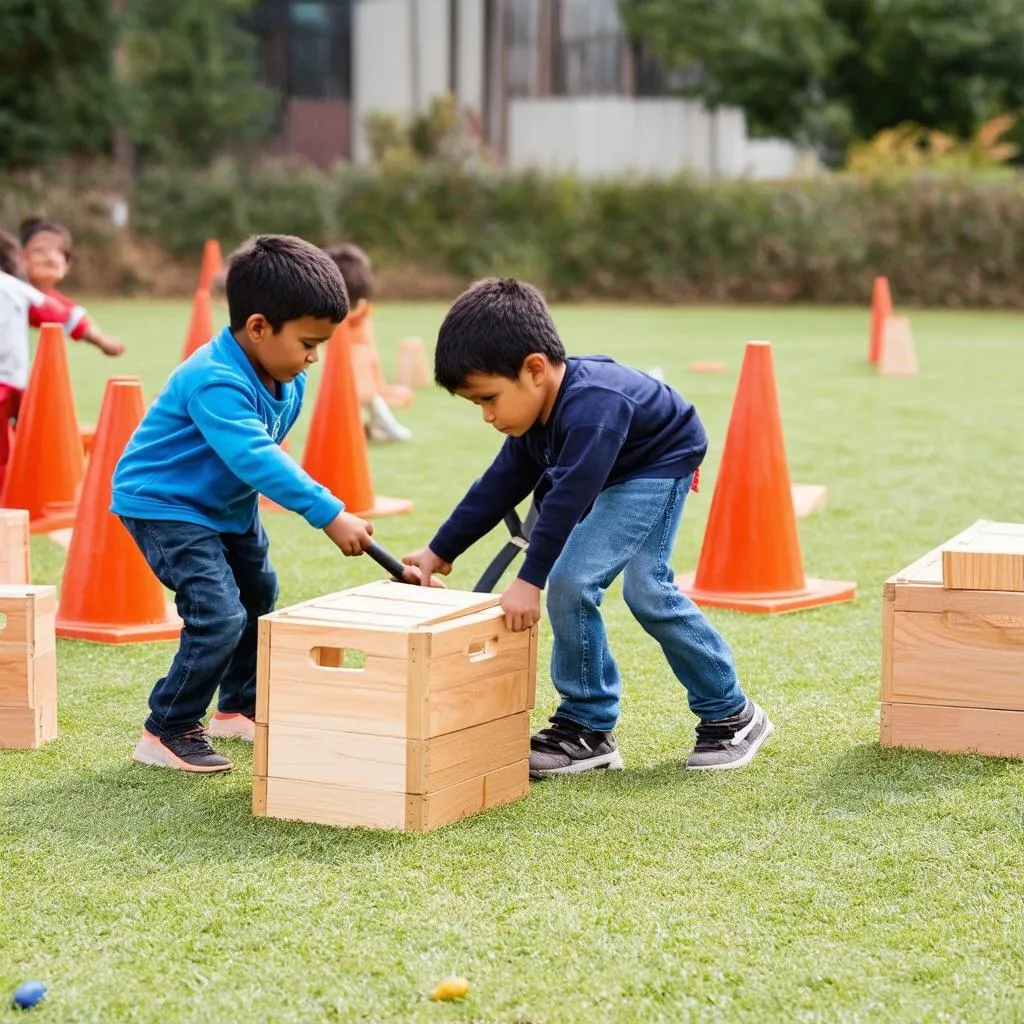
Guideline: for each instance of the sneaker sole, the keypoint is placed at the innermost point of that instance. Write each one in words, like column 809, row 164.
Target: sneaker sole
column 611, row 762
column 162, row 758
column 740, row 762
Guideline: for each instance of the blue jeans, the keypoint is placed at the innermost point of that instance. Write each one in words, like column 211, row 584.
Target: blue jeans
column 631, row 528
column 222, row 583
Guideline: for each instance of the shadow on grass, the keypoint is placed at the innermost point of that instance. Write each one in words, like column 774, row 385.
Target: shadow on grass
column 871, row 774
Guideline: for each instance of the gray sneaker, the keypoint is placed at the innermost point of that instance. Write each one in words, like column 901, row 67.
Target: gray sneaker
column 567, row 748
column 730, row 742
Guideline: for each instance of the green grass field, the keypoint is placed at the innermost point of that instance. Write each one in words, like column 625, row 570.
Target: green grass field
column 831, row 880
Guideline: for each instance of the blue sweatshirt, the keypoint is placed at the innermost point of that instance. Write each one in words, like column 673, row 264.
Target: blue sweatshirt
column 610, row 423
column 210, row 445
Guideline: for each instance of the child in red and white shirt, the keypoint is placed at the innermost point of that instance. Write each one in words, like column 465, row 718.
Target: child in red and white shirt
column 46, row 249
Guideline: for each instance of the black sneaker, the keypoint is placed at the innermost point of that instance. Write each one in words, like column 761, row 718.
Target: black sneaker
column 189, row 752
column 567, row 748
column 730, row 742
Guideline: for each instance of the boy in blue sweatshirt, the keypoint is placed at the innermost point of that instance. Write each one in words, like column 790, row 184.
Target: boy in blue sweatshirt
column 187, row 489
column 609, row 453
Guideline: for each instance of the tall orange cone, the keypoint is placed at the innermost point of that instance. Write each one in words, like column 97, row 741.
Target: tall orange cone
column 336, row 452
column 881, row 307
column 200, row 324
column 212, row 265
column 109, row 593
column 47, row 462
column 750, row 558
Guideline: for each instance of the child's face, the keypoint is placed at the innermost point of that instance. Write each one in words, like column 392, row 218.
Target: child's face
column 46, row 260
column 510, row 406
column 285, row 353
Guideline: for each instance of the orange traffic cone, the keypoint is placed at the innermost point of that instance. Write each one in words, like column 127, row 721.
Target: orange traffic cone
column 109, row 594
column 750, row 559
column 200, row 324
column 212, row 265
column 336, row 452
column 47, row 462
column 881, row 307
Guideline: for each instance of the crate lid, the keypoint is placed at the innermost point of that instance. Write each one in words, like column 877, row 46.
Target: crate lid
column 392, row 605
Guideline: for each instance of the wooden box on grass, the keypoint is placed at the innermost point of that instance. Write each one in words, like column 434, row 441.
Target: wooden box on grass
column 28, row 666
column 391, row 706
column 952, row 663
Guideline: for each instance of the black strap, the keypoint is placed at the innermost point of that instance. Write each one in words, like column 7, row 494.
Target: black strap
column 520, row 539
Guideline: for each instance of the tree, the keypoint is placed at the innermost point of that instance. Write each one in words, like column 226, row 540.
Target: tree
column 191, row 79
column 830, row 72
column 57, row 96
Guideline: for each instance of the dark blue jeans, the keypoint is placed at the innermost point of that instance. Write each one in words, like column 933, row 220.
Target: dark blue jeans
column 222, row 583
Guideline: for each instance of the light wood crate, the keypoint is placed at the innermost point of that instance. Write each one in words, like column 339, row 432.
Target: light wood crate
column 15, row 557
column 28, row 666
column 952, row 664
column 427, row 723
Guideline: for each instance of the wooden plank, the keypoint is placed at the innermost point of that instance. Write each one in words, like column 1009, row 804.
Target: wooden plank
column 27, row 679
column 968, row 660
column 305, row 634
column 262, row 668
column 48, row 720
column 507, row 784
column 27, row 616
column 330, row 804
column 888, row 629
column 259, row 796
column 925, row 570
column 339, row 758
column 953, row 730
column 259, row 749
column 936, row 599
column 989, row 556
column 443, row 761
column 531, row 682
column 15, row 556
column 481, row 699
column 463, row 634
column 430, row 811
column 21, row 728
column 418, row 706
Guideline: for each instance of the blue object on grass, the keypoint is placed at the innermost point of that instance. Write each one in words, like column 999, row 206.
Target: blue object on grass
column 28, row 993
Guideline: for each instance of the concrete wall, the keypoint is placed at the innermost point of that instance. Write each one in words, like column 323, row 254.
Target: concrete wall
column 614, row 135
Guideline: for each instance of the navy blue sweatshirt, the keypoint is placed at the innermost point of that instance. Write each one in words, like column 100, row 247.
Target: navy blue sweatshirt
column 610, row 423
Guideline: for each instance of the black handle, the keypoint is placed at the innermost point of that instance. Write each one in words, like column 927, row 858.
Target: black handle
column 387, row 561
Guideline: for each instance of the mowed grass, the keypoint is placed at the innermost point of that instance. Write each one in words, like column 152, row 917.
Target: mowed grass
column 831, row 880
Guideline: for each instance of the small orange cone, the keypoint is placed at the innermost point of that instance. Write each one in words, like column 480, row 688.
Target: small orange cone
column 212, row 265
column 750, row 558
column 336, row 452
column 109, row 593
column 200, row 324
column 47, row 462
column 881, row 307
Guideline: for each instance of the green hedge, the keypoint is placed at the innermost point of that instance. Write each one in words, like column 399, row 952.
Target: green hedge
column 942, row 241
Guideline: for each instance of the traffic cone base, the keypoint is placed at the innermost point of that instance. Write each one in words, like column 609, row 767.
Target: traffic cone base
column 383, row 506
column 57, row 515
column 167, row 628
column 816, row 592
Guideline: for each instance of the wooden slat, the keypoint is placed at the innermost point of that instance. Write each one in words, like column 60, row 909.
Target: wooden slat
column 22, row 728
column 988, row 556
column 259, row 749
column 28, row 616
column 953, row 730
column 969, row 660
column 336, row 805
column 340, row 758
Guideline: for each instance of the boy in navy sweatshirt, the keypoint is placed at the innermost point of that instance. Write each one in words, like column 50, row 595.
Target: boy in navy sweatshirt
column 609, row 453
column 187, row 489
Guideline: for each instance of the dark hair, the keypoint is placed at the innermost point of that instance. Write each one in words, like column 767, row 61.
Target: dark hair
column 10, row 254
column 32, row 226
column 491, row 328
column 355, row 267
column 284, row 278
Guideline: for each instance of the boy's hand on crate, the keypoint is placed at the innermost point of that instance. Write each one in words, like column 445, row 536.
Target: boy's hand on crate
column 425, row 563
column 520, row 601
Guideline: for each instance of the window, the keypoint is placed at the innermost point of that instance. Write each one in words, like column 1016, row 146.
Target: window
column 319, row 49
column 522, row 29
column 590, row 49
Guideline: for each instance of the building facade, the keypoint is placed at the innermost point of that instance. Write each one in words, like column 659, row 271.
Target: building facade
column 554, row 84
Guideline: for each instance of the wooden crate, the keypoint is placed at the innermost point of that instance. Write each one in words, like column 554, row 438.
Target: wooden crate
column 15, row 558
column 28, row 666
column 952, row 664
column 391, row 706
column 986, row 556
